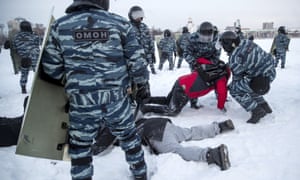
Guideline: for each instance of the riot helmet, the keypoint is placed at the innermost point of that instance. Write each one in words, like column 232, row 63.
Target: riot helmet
column 167, row 33
column 206, row 32
column 229, row 40
column 136, row 14
column 281, row 30
column 185, row 29
column 25, row 26
column 84, row 4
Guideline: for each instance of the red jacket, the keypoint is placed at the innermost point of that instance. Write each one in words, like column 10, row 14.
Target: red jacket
column 194, row 86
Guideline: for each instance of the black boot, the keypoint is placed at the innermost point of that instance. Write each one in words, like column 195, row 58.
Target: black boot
column 141, row 177
column 266, row 107
column 226, row 126
column 194, row 104
column 218, row 156
column 137, row 167
column 88, row 178
column 257, row 114
column 23, row 89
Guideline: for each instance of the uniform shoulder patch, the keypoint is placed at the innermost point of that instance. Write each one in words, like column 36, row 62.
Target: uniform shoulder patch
column 101, row 35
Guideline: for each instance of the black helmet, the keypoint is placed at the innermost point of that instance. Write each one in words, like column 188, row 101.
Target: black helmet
column 136, row 14
column 229, row 41
column 185, row 29
column 251, row 38
column 80, row 4
column 206, row 32
column 281, row 30
column 167, row 33
column 25, row 26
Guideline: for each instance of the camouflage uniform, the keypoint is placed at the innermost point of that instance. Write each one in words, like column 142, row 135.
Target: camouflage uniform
column 196, row 49
column 167, row 45
column 182, row 43
column 97, row 54
column 248, row 60
column 145, row 40
column 27, row 47
column 282, row 44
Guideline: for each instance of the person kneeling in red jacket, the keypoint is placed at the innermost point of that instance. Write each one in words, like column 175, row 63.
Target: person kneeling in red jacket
column 206, row 77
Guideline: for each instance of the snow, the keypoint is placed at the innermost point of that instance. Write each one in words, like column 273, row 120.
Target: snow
column 268, row 150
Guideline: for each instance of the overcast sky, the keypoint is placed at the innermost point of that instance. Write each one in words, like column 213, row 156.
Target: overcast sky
column 173, row 14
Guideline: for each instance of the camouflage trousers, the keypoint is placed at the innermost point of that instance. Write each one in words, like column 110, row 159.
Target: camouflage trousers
column 163, row 59
column 280, row 56
column 180, row 59
column 244, row 95
column 24, row 76
column 87, row 112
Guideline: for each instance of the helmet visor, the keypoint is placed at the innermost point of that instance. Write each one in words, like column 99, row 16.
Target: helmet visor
column 206, row 31
column 206, row 38
column 137, row 15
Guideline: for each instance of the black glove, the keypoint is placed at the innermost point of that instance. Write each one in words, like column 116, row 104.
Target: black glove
column 143, row 92
column 175, row 55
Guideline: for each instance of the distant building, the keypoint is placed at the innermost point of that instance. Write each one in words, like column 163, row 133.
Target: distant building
column 230, row 28
column 268, row 25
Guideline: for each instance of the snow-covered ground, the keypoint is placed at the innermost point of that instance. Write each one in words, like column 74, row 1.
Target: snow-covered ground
column 269, row 150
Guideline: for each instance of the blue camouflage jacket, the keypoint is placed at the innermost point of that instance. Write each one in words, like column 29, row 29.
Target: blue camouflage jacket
column 94, row 50
column 167, row 45
column 282, row 42
column 27, row 45
column 248, row 60
column 145, row 40
column 196, row 49
column 183, row 40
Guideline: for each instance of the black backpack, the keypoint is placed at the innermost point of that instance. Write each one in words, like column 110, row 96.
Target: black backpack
column 211, row 72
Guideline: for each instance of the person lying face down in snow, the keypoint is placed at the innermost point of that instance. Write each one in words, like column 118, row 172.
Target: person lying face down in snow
column 207, row 76
column 159, row 134
column 162, row 136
